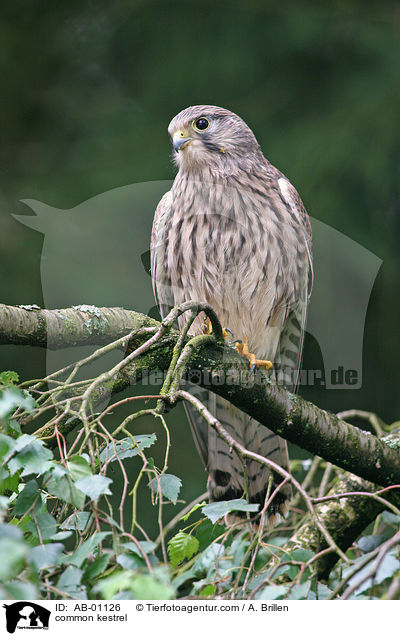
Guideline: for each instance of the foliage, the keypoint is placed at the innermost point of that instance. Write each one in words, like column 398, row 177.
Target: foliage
column 61, row 535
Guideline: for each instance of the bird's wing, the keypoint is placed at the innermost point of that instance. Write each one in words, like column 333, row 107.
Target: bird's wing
column 292, row 335
column 294, row 202
column 161, row 288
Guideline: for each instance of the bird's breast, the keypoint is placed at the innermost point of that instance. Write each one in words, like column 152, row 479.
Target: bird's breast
column 221, row 249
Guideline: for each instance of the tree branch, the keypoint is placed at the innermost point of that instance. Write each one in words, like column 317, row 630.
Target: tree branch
column 61, row 328
column 349, row 507
column 217, row 367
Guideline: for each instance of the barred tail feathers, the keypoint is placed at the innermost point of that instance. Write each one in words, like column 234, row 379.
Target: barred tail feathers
column 229, row 476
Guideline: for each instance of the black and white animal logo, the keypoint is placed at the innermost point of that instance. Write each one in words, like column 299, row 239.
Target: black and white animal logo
column 26, row 615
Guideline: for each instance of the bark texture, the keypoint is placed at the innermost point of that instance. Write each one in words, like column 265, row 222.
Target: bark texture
column 217, row 367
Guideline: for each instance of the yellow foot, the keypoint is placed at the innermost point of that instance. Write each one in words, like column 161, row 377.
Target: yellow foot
column 206, row 328
column 243, row 349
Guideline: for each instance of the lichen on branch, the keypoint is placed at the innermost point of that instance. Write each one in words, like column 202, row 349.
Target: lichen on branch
column 215, row 366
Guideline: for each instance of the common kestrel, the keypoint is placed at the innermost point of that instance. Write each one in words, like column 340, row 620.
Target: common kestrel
column 233, row 232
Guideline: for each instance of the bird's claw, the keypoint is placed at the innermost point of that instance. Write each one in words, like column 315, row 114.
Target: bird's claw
column 243, row 349
column 206, row 328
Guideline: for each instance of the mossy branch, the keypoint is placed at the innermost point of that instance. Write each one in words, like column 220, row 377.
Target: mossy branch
column 348, row 508
column 61, row 328
column 215, row 366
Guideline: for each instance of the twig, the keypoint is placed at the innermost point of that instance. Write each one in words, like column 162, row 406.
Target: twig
column 325, row 480
column 383, row 549
column 375, row 421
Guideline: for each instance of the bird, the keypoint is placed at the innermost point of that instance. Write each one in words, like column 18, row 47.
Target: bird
column 233, row 232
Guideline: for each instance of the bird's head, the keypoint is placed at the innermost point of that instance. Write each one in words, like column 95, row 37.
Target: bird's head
column 209, row 136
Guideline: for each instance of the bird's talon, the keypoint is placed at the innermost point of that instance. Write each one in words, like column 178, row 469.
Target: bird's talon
column 265, row 364
column 206, row 327
column 240, row 345
column 243, row 350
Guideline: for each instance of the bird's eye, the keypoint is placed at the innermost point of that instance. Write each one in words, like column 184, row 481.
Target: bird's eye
column 201, row 123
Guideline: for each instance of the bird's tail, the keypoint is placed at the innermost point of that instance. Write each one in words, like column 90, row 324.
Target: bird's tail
column 230, row 476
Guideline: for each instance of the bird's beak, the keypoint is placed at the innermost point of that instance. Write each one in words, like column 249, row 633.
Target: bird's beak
column 180, row 140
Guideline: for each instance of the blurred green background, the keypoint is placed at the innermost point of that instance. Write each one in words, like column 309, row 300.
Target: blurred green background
column 88, row 89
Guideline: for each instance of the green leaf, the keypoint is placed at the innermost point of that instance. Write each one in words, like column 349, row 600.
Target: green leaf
column 77, row 521
column 145, row 587
column 182, row 578
column 11, row 398
column 64, row 534
column 110, row 585
column 88, row 547
column 219, row 509
column 93, row 570
column 8, row 378
column 370, row 542
column 208, row 590
column 239, row 548
column 292, row 570
column 202, row 583
column 7, row 446
column 388, row 566
column 210, row 561
column 390, row 518
column 124, row 448
column 63, row 488
column 19, row 590
column 301, row 554
column 13, row 428
column 182, row 546
column 323, row 592
column 43, row 556
column 43, row 525
column 57, row 471
column 170, row 486
column 26, row 497
column 206, row 532
column 4, row 502
column 31, row 456
column 23, row 441
column 299, row 592
column 9, row 531
column 79, row 468
column 70, row 583
column 13, row 553
column 94, row 486
column 272, row 592
column 128, row 561
column 147, row 547
column 7, row 482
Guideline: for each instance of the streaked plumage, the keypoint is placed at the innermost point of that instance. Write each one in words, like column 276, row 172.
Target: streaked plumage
column 233, row 232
